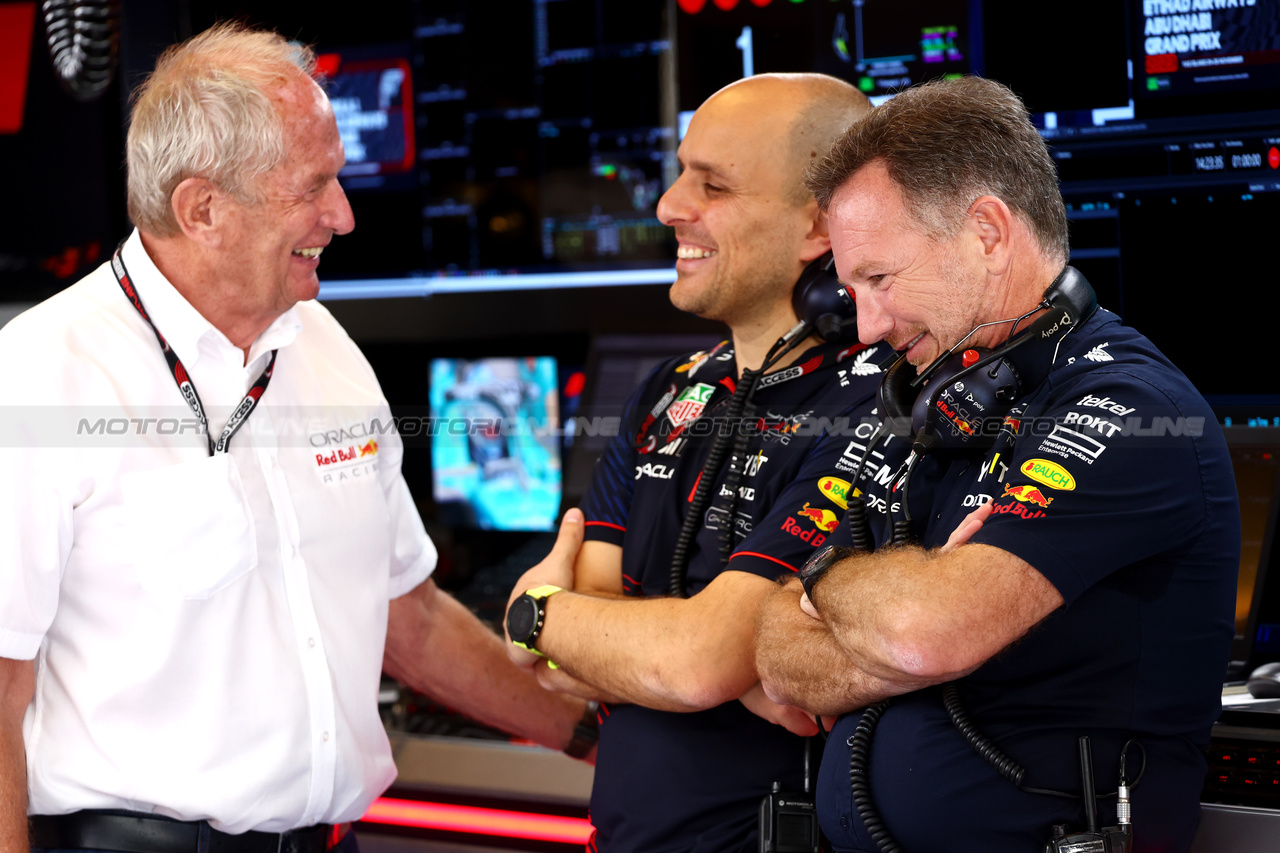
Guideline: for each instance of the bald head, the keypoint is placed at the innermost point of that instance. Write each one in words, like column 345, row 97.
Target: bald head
column 797, row 116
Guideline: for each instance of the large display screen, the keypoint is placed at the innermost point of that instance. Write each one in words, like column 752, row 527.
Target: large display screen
column 495, row 442
column 517, row 145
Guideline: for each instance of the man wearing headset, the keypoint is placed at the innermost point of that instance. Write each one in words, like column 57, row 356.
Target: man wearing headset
column 1094, row 593
column 682, row 763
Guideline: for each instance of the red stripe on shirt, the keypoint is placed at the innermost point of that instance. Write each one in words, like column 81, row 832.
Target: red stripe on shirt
column 764, row 557
column 606, row 524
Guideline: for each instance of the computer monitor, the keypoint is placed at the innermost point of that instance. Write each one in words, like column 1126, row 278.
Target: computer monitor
column 495, row 442
column 1255, row 455
column 516, row 146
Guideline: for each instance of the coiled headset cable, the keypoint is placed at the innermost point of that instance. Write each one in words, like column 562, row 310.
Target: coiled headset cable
column 738, row 410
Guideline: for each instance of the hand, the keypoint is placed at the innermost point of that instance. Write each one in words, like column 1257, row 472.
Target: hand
column 971, row 524
column 807, row 606
column 555, row 569
column 791, row 718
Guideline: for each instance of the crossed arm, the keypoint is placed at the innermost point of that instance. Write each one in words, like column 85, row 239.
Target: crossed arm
column 670, row 654
column 896, row 621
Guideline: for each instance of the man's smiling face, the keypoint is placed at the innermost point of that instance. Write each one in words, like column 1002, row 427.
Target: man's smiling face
column 920, row 294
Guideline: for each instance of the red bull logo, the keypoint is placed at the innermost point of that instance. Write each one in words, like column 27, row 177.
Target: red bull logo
column 370, row 449
column 823, row 519
column 954, row 417
column 1028, row 494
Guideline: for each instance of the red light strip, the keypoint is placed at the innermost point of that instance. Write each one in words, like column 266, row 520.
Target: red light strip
column 508, row 824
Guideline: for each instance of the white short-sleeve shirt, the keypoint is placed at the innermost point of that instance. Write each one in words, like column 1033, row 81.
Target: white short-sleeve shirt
column 208, row 631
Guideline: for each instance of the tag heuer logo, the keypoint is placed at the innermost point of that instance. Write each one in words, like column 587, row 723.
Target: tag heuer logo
column 689, row 405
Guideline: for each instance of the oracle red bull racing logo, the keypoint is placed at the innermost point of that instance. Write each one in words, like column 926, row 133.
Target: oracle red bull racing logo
column 1026, row 496
column 348, row 463
column 954, row 417
column 824, row 520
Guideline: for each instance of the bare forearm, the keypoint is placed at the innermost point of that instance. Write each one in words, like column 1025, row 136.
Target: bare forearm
column 17, row 685
column 13, row 787
column 667, row 654
column 904, row 614
column 800, row 663
column 452, row 657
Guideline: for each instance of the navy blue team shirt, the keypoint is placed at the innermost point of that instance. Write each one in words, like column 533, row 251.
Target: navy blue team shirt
column 1116, row 485
column 693, row 782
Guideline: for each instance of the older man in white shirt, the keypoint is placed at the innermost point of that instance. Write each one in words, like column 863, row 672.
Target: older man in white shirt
column 193, row 622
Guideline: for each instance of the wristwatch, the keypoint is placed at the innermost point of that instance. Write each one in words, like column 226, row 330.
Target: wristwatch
column 818, row 564
column 526, row 616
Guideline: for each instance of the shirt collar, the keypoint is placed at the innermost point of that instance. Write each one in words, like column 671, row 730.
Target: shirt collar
column 188, row 332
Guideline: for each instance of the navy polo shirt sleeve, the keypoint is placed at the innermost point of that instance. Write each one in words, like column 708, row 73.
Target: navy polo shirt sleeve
column 607, row 503
column 807, row 511
column 1105, row 477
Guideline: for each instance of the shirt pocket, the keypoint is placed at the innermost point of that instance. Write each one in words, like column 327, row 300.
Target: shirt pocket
column 190, row 526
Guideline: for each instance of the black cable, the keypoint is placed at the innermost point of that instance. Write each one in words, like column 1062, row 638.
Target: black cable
column 706, row 482
column 859, row 782
column 856, row 515
column 990, row 753
column 1003, row 764
column 733, row 415
column 733, row 477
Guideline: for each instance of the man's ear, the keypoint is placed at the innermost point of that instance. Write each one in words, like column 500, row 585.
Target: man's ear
column 990, row 223
column 817, row 242
column 195, row 204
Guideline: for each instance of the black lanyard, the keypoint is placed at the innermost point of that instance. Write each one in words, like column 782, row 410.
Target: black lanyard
column 179, row 373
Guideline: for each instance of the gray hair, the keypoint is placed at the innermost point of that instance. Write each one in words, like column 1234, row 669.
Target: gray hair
column 947, row 143
column 206, row 111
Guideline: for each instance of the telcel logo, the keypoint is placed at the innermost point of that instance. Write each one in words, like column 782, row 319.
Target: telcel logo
column 836, row 490
column 1049, row 474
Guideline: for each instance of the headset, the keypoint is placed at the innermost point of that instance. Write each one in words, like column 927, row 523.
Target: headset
column 960, row 400
column 822, row 302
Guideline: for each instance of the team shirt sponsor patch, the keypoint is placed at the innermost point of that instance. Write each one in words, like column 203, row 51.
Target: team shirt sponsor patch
column 1049, row 474
column 1069, row 443
column 342, row 464
column 689, row 404
column 837, row 491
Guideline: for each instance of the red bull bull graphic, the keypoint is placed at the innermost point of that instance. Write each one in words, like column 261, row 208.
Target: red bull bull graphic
column 370, row 449
column 823, row 519
column 1028, row 494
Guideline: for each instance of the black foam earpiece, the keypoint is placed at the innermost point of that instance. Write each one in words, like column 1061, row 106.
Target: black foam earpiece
column 820, row 300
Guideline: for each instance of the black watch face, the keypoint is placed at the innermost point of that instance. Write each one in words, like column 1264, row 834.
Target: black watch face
column 816, row 566
column 817, row 563
column 521, row 618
